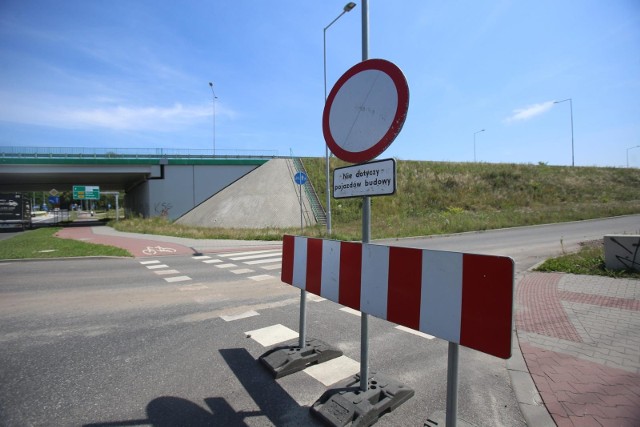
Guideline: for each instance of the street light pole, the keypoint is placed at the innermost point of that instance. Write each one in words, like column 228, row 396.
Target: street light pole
column 214, row 117
column 474, row 144
column 573, row 163
column 630, row 148
column 347, row 8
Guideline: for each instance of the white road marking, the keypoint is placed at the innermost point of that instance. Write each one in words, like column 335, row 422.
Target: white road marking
column 165, row 272
column 241, row 258
column 272, row 267
column 260, row 277
column 198, row 257
column 334, row 370
column 226, row 265
column 272, row 335
column 414, row 332
column 242, row 271
column 240, row 316
column 177, row 279
column 194, row 287
column 212, row 261
column 249, row 253
column 153, row 267
column 351, row 311
column 150, row 262
column 263, row 261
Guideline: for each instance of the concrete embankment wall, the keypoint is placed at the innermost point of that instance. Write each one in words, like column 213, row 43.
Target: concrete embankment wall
column 265, row 197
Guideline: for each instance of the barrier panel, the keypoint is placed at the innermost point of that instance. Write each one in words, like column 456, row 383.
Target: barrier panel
column 466, row 299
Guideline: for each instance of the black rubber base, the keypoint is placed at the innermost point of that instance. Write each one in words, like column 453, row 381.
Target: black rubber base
column 347, row 405
column 285, row 360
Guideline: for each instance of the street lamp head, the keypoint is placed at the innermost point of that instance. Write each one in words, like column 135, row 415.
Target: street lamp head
column 210, row 84
column 349, row 6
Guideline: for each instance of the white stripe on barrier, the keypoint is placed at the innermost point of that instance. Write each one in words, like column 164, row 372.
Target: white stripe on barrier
column 330, row 277
column 375, row 280
column 441, row 296
column 300, row 266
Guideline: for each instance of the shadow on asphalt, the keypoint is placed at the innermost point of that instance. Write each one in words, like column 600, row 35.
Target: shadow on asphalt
column 273, row 402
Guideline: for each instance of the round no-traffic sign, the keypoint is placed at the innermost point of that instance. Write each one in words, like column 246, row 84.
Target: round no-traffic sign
column 365, row 110
column 300, row 178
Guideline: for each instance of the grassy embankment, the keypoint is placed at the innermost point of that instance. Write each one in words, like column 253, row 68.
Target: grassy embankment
column 41, row 243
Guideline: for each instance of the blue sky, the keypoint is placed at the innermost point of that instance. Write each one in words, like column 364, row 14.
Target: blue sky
column 135, row 74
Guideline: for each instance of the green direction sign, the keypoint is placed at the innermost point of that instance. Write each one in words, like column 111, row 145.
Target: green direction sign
column 86, row 192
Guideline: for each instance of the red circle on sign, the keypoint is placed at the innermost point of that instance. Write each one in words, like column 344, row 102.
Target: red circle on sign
column 365, row 110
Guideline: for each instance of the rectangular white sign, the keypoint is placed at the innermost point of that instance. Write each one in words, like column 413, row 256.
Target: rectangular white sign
column 376, row 178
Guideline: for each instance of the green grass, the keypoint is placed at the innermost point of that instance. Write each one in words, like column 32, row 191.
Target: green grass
column 41, row 243
column 589, row 260
column 441, row 198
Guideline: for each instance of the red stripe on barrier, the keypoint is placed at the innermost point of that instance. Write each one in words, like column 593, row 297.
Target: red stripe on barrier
column 314, row 265
column 405, row 283
column 350, row 274
column 287, row 259
column 487, row 296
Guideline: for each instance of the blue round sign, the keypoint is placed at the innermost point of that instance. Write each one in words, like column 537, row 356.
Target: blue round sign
column 300, row 178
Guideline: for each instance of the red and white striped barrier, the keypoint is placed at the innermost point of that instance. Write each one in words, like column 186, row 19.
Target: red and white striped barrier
column 463, row 298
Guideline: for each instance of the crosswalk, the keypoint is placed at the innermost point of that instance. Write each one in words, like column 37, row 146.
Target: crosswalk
column 257, row 265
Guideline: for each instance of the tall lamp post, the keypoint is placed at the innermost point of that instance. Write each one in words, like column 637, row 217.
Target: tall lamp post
column 347, row 8
column 571, row 111
column 214, row 117
column 474, row 144
column 630, row 148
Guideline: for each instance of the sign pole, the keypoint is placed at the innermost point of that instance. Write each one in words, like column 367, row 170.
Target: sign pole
column 452, row 386
column 366, row 226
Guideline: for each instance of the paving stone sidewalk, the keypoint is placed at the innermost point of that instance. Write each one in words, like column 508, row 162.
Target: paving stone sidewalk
column 580, row 338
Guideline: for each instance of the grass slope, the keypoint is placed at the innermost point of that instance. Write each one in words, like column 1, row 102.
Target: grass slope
column 438, row 197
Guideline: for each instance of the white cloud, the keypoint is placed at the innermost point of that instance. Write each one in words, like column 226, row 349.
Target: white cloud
column 529, row 112
column 112, row 117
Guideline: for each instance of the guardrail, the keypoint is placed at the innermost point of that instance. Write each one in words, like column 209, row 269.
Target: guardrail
column 130, row 153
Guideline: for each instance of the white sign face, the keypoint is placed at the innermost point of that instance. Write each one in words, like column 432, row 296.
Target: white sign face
column 365, row 110
column 367, row 179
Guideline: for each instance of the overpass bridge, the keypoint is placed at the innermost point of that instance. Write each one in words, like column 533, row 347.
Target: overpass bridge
column 173, row 182
column 154, row 181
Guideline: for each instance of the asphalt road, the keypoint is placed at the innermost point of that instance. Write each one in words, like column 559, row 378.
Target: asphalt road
column 106, row 342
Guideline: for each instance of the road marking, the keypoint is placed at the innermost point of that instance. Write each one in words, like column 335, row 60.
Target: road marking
column 351, row 311
column 272, row 335
column 249, row 253
column 194, row 287
column 334, row 370
column 177, row 279
column 244, row 315
column 164, row 272
column 150, row 262
column 267, row 255
column 226, row 265
column 414, row 332
column 261, row 277
column 272, row 267
column 212, row 261
column 153, row 267
column 201, row 257
column 242, row 271
column 263, row 261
